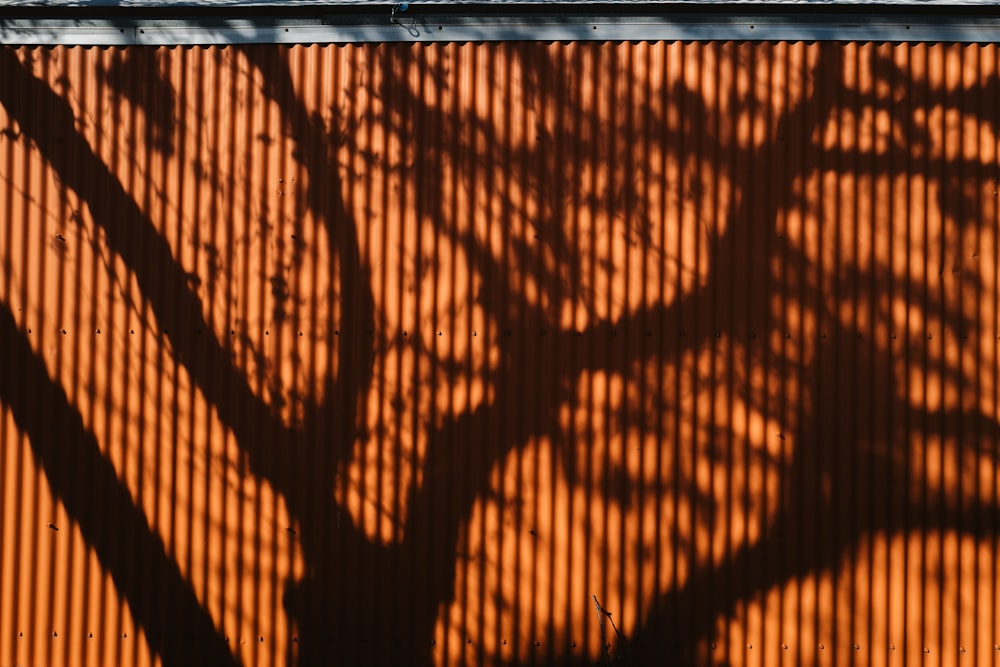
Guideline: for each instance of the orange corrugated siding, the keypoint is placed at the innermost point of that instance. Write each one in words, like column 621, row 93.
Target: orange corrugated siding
column 391, row 354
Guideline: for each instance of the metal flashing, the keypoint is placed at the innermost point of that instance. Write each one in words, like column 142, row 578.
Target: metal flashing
column 442, row 27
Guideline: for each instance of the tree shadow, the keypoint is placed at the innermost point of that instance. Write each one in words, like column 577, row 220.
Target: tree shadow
column 347, row 606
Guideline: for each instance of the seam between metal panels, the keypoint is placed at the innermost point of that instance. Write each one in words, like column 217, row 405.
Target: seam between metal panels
column 431, row 28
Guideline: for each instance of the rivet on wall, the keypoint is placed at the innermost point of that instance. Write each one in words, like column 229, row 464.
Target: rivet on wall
column 784, row 646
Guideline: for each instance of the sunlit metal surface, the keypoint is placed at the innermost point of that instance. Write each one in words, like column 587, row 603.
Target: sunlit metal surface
column 456, row 353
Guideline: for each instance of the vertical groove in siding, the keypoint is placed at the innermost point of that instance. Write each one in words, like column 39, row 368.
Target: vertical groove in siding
column 412, row 352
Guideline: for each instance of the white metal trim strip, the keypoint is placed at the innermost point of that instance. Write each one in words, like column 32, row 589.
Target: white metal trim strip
column 839, row 27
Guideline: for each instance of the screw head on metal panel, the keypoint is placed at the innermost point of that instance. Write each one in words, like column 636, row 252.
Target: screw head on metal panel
column 926, row 650
column 892, row 647
column 784, row 646
column 821, row 647
column 857, row 647
column 749, row 646
column 961, row 649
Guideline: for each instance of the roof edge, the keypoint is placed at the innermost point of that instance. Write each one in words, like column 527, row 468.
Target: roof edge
column 401, row 23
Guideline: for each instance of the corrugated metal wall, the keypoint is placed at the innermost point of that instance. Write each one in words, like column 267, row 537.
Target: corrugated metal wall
column 397, row 354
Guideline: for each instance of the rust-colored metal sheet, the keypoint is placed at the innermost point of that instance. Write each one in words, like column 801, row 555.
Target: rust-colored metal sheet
column 499, row 353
